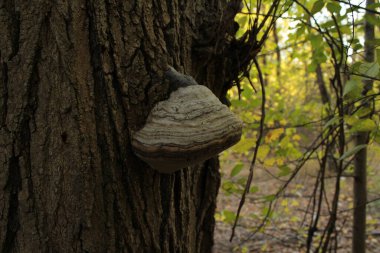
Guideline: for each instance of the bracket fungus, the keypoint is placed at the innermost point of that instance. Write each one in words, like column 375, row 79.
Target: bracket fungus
column 186, row 129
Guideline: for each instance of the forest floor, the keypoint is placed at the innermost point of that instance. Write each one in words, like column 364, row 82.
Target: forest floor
column 288, row 226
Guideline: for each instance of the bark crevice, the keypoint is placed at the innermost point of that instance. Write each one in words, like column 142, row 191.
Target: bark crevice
column 13, row 187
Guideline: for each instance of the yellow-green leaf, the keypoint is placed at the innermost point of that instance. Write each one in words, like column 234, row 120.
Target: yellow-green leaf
column 274, row 135
column 363, row 125
column 228, row 216
column 284, row 171
column 244, row 145
column 263, row 152
column 236, row 170
column 351, row 119
column 352, row 151
column 270, row 161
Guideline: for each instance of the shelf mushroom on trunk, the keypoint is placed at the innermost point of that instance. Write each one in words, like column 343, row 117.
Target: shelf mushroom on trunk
column 186, row 129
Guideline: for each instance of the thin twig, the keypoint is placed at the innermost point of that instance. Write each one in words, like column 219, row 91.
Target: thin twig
column 359, row 7
column 258, row 141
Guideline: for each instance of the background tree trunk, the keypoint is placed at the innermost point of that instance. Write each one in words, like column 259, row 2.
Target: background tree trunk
column 278, row 54
column 325, row 97
column 77, row 77
column 360, row 161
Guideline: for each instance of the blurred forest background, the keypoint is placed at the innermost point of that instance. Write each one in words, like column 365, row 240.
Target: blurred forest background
column 311, row 137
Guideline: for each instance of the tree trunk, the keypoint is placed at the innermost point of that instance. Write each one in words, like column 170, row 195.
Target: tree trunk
column 360, row 161
column 325, row 97
column 278, row 54
column 77, row 78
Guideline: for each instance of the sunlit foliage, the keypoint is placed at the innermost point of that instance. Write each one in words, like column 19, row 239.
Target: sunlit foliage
column 313, row 43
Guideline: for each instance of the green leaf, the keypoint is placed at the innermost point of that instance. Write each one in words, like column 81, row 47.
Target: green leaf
column 284, row 171
column 373, row 6
column 363, row 125
column 356, row 45
column 364, row 112
column 312, row 66
column 316, row 40
column 373, row 69
column 370, row 69
column 319, row 56
column 300, row 30
column 331, row 122
column 352, row 85
column 254, row 189
column 373, row 20
column 236, row 170
column 229, row 187
column 238, row 103
column 270, row 197
column 318, row 5
column 356, row 66
column 328, row 24
column 334, row 7
column 346, row 29
column 267, row 212
column 378, row 56
column 228, row 216
column 352, row 151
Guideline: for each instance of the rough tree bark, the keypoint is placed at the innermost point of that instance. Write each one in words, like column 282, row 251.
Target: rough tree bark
column 76, row 78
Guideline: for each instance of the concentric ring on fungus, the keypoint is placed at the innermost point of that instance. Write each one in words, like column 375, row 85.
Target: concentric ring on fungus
column 186, row 129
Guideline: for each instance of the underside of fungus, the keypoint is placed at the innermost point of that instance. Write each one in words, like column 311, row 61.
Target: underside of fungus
column 185, row 130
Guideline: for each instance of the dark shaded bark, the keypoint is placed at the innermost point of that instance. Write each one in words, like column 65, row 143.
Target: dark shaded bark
column 360, row 160
column 266, row 76
column 360, row 197
column 325, row 97
column 278, row 53
column 326, row 101
column 77, row 77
